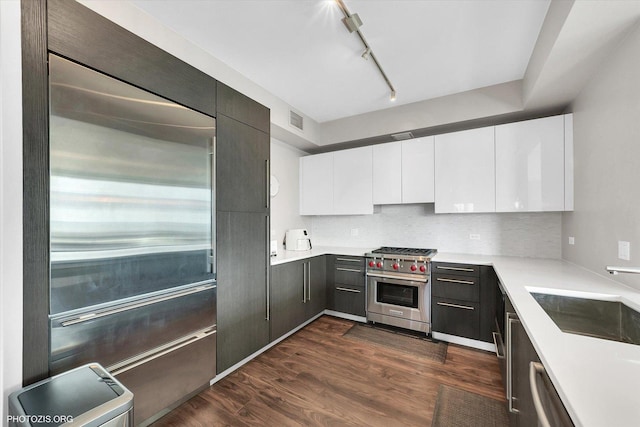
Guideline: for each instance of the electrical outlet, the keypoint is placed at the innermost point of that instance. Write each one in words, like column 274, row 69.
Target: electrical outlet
column 624, row 250
column 572, row 240
column 355, row 232
column 474, row 236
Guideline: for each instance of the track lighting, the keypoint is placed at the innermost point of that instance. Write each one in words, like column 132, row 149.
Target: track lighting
column 353, row 23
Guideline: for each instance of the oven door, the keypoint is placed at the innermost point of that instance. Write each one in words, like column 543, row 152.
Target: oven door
column 399, row 302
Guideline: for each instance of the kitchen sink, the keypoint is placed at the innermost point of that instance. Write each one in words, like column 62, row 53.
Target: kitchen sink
column 610, row 320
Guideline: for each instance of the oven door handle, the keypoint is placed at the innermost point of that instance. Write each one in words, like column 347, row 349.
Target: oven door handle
column 406, row 277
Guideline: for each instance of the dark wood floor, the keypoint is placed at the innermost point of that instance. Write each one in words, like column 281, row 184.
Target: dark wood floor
column 317, row 377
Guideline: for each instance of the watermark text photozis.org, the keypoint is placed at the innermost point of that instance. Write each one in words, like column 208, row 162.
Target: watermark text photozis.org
column 39, row 419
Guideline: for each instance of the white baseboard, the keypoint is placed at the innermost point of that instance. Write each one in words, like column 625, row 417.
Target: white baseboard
column 480, row 345
column 346, row 316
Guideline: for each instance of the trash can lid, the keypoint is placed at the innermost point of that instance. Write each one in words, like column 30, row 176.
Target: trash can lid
column 72, row 394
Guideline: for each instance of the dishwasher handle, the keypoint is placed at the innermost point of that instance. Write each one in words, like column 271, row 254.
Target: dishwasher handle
column 536, row 368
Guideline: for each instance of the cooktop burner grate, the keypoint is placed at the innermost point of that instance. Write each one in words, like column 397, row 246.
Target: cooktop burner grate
column 387, row 250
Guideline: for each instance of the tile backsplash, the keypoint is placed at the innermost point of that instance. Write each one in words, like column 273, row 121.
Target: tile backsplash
column 515, row 234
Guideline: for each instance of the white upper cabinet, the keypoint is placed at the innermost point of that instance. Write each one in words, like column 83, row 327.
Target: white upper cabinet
column 316, row 184
column 387, row 173
column 353, row 181
column 465, row 171
column 530, row 165
column 568, row 162
column 418, row 170
column 337, row 183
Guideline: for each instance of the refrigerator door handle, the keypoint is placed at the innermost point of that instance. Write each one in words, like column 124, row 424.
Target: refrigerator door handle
column 132, row 306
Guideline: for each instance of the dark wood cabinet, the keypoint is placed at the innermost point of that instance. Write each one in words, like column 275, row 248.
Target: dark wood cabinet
column 463, row 300
column 242, row 205
column 346, row 291
column 232, row 103
column 242, row 167
column 298, row 293
column 243, row 267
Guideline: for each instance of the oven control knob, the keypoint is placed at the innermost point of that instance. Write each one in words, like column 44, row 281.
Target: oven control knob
column 414, row 267
column 423, row 268
column 372, row 264
column 379, row 264
column 395, row 266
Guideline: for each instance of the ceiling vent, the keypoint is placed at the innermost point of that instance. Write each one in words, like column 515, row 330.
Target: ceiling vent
column 296, row 120
column 402, row 136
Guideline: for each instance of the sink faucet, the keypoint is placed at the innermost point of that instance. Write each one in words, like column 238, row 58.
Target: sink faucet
column 616, row 270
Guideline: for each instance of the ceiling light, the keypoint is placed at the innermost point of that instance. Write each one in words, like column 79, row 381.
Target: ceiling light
column 365, row 55
column 393, row 95
column 352, row 22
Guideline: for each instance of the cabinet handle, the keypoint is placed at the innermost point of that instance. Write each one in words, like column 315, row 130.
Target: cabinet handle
column 347, row 259
column 267, row 193
column 510, row 398
column 352, row 270
column 536, row 368
column 268, row 255
column 355, row 291
column 469, row 270
column 495, row 342
column 464, row 282
column 446, row 304
column 304, row 282
column 309, row 281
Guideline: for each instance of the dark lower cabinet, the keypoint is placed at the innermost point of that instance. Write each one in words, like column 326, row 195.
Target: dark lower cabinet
column 520, row 356
column 346, row 284
column 243, row 325
column 463, row 300
column 456, row 317
column 298, row 293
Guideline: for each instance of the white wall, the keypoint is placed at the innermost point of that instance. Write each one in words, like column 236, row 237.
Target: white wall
column 10, row 202
column 606, row 123
column 285, row 205
column 517, row 234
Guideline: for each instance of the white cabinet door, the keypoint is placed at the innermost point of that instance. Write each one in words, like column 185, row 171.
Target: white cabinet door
column 316, row 184
column 353, row 181
column 568, row 162
column 418, row 170
column 530, row 165
column 387, row 173
column 465, row 171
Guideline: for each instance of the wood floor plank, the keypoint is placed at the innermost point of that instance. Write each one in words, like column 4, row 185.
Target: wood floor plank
column 317, row 377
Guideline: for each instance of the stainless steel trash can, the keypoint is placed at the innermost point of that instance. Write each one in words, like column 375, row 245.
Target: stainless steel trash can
column 84, row 396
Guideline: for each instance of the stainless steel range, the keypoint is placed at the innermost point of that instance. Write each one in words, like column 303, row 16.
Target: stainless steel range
column 399, row 287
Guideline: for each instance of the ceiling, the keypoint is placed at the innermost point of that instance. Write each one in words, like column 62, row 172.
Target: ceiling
column 300, row 51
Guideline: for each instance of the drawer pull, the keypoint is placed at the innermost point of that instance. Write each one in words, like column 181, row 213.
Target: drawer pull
column 497, row 337
column 348, row 259
column 355, row 291
column 446, row 304
column 463, row 282
column 352, row 270
column 469, row 270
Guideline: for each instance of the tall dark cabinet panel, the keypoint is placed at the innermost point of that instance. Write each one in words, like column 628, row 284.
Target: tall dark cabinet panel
column 242, row 170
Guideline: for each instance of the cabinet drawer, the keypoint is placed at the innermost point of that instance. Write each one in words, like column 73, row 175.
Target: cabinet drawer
column 457, row 269
column 349, row 299
column 455, row 317
column 349, row 261
column 169, row 376
column 465, row 288
column 348, row 276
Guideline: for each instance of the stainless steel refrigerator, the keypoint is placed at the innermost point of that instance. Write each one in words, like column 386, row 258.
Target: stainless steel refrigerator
column 132, row 196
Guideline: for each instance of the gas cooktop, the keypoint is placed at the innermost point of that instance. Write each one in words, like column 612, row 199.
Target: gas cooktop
column 406, row 253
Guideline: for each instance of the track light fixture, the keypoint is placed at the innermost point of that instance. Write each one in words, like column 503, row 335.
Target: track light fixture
column 353, row 23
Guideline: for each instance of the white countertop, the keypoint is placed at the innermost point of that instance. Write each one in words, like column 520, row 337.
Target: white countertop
column 597, row 379
column 288, row 256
